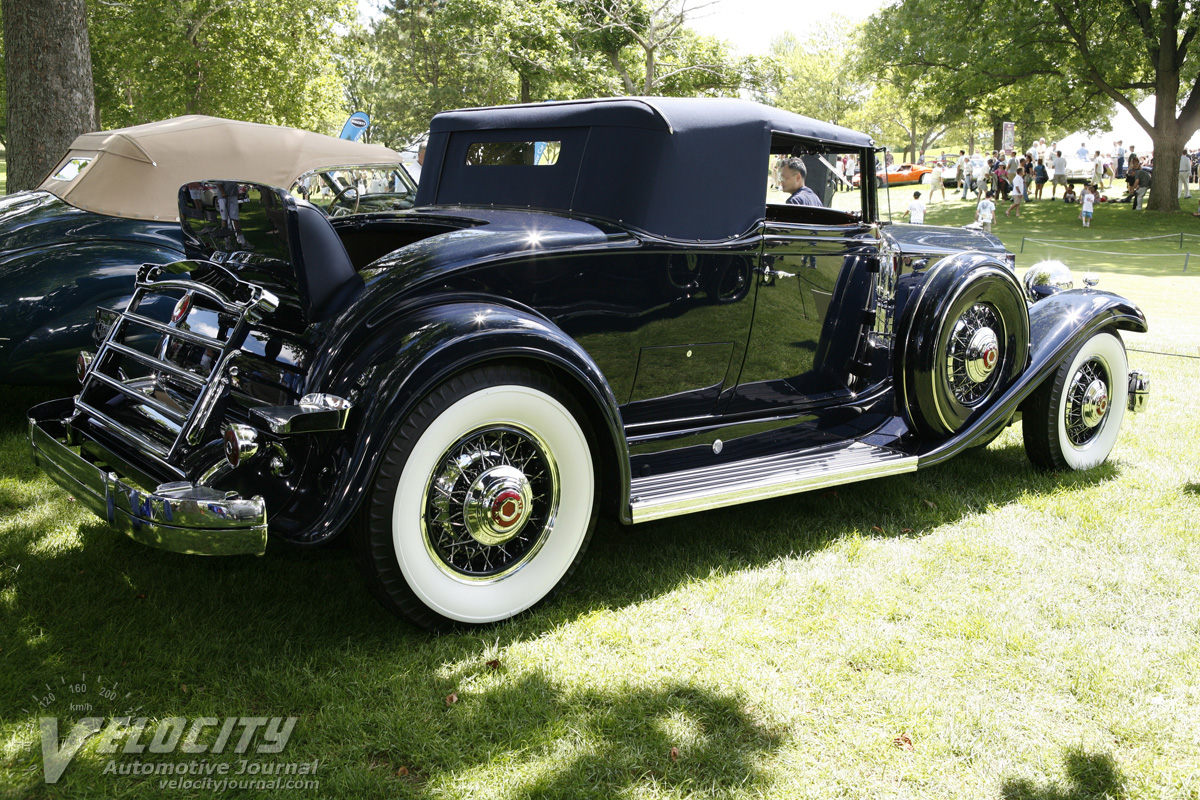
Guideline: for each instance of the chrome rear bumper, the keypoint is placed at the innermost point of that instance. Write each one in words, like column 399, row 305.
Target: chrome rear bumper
column 180, row 517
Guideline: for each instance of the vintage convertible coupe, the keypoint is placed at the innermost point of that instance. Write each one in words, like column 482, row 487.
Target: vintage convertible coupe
column 593, row 307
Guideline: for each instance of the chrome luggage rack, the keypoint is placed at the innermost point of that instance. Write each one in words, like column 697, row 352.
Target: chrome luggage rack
column 169, row 405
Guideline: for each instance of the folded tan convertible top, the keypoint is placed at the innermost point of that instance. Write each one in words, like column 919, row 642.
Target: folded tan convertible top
column 136, row 172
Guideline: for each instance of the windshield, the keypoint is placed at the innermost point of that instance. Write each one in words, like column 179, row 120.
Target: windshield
column 339, row 191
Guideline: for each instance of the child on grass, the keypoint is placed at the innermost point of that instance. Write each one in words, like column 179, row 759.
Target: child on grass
column 1087, row 201
column 985, row 212
column 916, row 210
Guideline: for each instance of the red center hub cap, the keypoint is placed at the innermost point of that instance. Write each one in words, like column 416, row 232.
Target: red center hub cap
column 990, row 356
column 507, row 508
column 497, row 505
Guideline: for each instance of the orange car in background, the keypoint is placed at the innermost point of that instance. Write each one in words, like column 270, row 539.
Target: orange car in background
column 904, row 173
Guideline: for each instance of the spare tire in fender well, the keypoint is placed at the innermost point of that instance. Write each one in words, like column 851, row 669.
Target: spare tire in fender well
column 963, row 338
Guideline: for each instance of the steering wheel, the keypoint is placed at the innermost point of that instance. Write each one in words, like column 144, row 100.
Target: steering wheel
column 336, row 210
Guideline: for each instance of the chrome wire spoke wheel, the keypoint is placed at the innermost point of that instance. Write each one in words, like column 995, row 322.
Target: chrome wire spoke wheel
column 1087, row 402
column 973, row 354
column 961, row 344
column 1072, row 420
column 484, row 500
column 491, row 503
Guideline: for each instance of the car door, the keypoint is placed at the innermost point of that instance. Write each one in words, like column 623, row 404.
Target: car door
column 812, row 314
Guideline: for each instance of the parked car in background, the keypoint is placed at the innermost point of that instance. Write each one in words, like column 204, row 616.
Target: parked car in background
column 950, row 170
column 111, row 205
column 1079, row 170
column 561, row 329
column 902, row 173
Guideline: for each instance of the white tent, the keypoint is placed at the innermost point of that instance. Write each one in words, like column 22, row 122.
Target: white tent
column 1123, row 127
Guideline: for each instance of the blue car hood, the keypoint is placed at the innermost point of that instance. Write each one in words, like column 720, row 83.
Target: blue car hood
column 936, row 240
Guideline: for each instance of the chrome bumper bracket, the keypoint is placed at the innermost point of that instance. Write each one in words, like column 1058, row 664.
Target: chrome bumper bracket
column 1139, row 390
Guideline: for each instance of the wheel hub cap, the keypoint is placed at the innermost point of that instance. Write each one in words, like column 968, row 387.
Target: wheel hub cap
column 498, row 503
column 983, row 353
column 1095, row 403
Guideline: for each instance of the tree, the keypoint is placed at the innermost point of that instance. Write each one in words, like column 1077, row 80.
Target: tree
column 438, row 54
column 1063, row 62
column 442, row 54
column 49, row 85
column 814, row 76
column 649, row 46
column 270, row 61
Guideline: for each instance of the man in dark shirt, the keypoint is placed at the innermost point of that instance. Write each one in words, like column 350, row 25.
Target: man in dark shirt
column 792, row 173
column 1141, row 182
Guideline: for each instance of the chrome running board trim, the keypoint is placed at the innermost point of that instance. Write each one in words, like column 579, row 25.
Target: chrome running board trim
column 687, row 491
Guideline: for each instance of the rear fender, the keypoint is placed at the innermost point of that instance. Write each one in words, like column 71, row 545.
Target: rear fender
column 1058, row 325
column 394, row 370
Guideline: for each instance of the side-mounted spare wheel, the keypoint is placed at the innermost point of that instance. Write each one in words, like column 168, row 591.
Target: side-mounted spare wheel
column 484, row 501
column 962, row 344
column 1071, row 421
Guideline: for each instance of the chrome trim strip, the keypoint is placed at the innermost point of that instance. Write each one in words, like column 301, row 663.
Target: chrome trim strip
column 688, row 491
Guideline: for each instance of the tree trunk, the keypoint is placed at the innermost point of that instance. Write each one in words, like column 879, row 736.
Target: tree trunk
column 49, row 79
column 1168, row 144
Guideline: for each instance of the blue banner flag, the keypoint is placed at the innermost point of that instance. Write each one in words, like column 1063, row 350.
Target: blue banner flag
column 355, row 125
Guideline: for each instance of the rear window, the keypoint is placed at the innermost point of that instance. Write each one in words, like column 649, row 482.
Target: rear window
column 513, row 154
column 70, row 170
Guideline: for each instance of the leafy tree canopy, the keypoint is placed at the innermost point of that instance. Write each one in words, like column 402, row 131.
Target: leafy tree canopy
column 1052, row 65
column 268, row 61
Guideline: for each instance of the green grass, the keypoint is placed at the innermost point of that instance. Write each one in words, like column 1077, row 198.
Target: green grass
column 972, row 630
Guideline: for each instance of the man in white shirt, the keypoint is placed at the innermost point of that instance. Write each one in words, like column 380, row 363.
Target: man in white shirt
column 1185, row 172
column 1060, row 174
column 1018, row 192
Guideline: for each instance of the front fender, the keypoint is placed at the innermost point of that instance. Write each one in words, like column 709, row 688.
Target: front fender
column 395, row 368
column 1057, row 325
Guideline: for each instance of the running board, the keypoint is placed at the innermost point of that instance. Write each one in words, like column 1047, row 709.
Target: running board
column 684, row 492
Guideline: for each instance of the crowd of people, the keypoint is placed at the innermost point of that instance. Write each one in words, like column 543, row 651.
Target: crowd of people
column 1016, row 179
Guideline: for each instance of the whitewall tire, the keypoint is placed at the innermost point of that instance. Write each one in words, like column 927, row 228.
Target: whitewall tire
column 485, row 501
column 1072, row 420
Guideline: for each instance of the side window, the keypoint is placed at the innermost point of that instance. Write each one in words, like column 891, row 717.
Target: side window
column 802, row 179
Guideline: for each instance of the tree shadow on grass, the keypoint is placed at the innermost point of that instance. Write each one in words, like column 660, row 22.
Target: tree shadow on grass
column 1090, row 776
column 296, row 632
column 537, row 739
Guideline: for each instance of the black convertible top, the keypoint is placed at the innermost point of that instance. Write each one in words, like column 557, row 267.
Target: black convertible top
column 681, row 168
